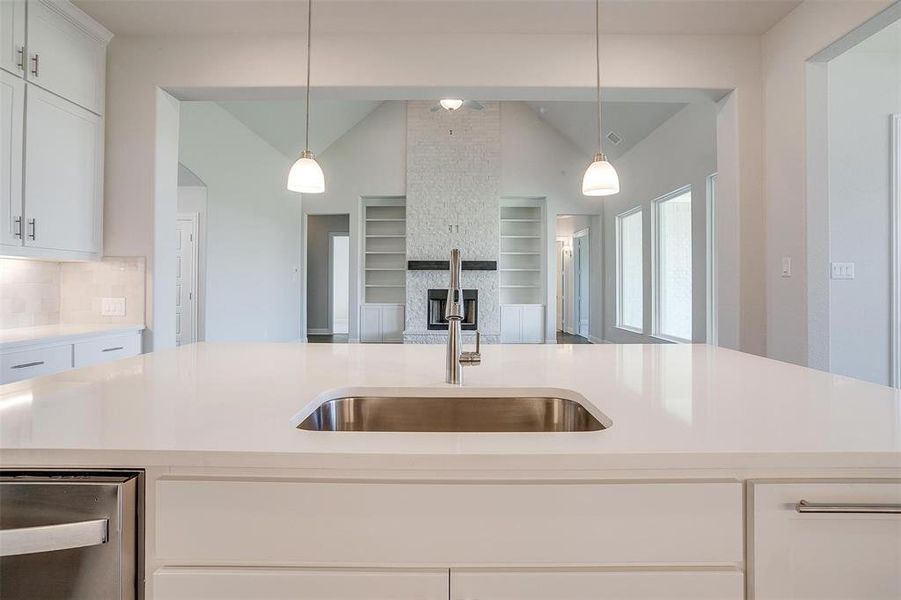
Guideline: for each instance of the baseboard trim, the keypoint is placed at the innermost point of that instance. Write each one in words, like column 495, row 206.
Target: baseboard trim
column 319, row 331
column 596, row 340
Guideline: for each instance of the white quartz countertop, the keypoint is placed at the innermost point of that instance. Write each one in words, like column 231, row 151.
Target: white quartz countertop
column 19, row 337
column 672, row 406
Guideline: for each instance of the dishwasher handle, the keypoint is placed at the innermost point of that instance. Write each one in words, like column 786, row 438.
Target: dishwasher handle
column 49, row 538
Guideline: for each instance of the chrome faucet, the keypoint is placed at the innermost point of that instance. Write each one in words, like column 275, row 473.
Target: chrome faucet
column 454, row 313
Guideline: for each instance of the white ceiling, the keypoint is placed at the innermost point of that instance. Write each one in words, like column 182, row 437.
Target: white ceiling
column 281, row 123
column 632, row 121
column 152, row 17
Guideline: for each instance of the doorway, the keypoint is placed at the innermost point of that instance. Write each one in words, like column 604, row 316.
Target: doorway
column 328, row 278
column 573, row 279
column 581, row 285
column 186, row 278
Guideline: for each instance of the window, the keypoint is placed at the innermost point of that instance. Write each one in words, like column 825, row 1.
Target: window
column 672, row 266
column 629, row 271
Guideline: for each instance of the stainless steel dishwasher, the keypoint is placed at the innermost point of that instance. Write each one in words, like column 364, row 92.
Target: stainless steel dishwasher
column 69, row 534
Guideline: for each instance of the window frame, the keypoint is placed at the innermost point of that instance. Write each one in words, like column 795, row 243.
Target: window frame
column 618, row 281
column 655, row 265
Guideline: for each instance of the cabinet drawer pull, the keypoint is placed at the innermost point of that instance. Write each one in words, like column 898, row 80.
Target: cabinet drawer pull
column 50, row 538
column 35, row 64
column 17, row 228
column 28, row 364
column 850, row 509
column 113, row 349
column 20, row 61
column 32, row 224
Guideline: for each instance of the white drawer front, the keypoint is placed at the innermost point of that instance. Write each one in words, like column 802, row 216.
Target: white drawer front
column 309, row 523
column 598, row 585
column 15, row 366
column 107, row 349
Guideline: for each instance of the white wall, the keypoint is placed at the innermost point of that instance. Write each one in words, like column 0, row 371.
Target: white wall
column 786, row 49
column 864, row 89
column 544, row 66
column 253, row 228
column 682, row 151
column 317, row 248
column 368, row 160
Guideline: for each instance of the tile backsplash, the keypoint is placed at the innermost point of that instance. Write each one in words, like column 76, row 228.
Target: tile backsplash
column 47, row 293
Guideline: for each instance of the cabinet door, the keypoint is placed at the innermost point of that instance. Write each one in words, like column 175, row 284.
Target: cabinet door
column 300, row 584
column 597, row 585
column 12, row 36
column 66, row 53
column 63, row 174
column 511, row 324
column 392, row 323
column 370, row 323
column 12, row 114
column 533, row 324
column 822, row 555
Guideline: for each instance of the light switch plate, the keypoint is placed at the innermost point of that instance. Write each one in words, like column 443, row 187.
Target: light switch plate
column 112, row 307
column 843, row 270
column 786, row 266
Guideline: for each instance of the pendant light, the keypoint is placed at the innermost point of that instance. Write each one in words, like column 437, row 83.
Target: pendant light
column 600, row 177
column 306, row 175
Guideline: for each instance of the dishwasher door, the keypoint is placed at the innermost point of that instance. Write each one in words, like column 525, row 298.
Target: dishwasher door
column 68, row 535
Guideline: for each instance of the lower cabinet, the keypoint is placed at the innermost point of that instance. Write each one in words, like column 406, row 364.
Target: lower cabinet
column 522, row 323
column 821, row 554
column 597, row 585
column 382, row 323
column 301, row 584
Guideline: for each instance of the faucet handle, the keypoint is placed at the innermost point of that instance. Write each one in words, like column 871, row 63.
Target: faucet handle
column 478, row 341
column 473, row 359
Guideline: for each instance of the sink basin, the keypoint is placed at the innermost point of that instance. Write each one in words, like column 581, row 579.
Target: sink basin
column 449, row 410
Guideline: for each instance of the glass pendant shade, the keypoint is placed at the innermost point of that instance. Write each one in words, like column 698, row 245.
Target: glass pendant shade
column 451, row 103
column 600, row 178
column 306, row 175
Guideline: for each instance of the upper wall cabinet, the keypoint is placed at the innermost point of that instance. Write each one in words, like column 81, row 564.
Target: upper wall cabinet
column 66, row 53
column 12, row 111
column 12, row 36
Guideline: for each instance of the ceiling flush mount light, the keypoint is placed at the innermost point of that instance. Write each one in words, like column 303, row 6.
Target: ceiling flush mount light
column 306, row 175
column 600, row 178
column 451, row 103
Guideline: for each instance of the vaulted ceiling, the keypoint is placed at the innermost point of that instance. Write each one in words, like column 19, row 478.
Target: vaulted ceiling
column 168, row 17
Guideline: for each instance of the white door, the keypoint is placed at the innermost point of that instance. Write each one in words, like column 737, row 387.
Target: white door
column 651, row 584
column 511, row 324
column 532, row 324
column 12, row 36
column 825, row 555
column 560, row 285
column 392, row 323
column 12, row 115
column 63, row 174
column 186, row 279
column 370, row 323
column 65, row 58
column 301, row 584
column 339, row 282
column 582, row 283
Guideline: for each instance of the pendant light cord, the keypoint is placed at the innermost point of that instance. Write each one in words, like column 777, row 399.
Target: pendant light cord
column 309, row 46
column 597, row 58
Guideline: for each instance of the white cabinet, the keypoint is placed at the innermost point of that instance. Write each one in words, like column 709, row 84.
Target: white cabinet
column 381, row 323
column 63, row 175
column 12, row 36
column 522, row 323
column 820, row 555
column 301, row 584
column 67, row 53
column 12, row 111
column 34, row 362
column 597, row 585
column 108, row 349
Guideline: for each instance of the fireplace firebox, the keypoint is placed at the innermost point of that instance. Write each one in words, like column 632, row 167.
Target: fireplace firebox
column 437, row 302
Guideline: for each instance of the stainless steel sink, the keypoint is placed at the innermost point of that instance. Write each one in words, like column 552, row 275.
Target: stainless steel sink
column 443, row 410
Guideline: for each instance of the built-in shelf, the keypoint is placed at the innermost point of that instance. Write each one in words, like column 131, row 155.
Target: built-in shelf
column 530, row 286
column 385, row 251
column 521, row 268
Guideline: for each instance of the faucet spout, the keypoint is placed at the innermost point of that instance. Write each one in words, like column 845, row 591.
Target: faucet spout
column 454, row 313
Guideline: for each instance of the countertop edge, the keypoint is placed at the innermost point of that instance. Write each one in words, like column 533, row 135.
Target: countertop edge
column 64, row 338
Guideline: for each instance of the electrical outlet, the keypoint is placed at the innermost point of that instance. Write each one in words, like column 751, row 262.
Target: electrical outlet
column 786, row 266
column 843, row 270
column 112, row 307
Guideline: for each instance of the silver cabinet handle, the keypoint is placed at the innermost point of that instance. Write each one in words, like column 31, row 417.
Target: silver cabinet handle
column 20, row 61
column 35, row 64
column 28, row 364
column 32, row 224
column 849, row 509
column 17, row 228
column 49, row 538
column 113, row 349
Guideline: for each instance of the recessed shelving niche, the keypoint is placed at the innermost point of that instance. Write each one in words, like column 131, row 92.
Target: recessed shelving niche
column 521, row 255
column 385, row 252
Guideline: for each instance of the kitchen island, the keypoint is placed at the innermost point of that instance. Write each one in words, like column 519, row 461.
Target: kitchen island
column 692, row 492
